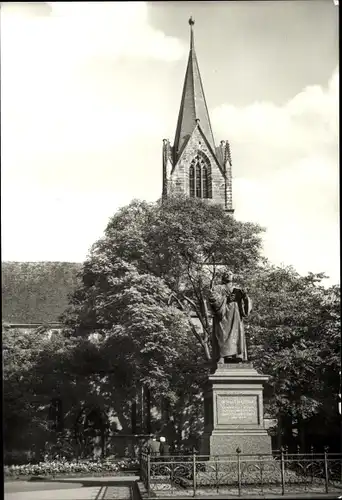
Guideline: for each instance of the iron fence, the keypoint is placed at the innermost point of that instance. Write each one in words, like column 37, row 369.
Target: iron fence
column 280, row 473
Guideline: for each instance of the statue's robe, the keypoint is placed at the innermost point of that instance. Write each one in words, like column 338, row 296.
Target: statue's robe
column 229, row 308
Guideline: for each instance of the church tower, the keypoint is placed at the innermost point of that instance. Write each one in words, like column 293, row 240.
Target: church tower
column 194, row 165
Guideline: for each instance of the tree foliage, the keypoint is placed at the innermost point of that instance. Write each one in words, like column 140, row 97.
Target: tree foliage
column 42, row 366
column 294, row 337
column 147, row 280
column 165, row 253
column 139, row 317
column 27, row 385
column 143, row 286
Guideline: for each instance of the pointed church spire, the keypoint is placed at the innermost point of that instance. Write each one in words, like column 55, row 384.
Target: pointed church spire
column 193, row 108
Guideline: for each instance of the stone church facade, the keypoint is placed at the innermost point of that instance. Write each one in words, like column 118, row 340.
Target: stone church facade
column 193, row 165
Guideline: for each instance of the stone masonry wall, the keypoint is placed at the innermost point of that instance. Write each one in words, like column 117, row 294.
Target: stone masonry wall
column 180, row 175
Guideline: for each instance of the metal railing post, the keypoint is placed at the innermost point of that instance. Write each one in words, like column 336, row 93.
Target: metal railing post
column 141, row 465
column 216, row 474
column 194, row 470
column 148, row 479
column 282, row 469
column 261, row 473
column 238, row 451
column 326, row 470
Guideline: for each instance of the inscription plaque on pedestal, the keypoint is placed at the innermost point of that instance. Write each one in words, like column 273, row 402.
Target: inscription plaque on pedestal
column 236, row 397
column 237, row 409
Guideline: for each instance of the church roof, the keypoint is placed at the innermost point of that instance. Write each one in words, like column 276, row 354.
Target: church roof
column 193, row 104
column 37, row 292
column 219, row 156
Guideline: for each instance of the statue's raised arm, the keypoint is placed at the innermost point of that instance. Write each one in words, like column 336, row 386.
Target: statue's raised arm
column 229, row 306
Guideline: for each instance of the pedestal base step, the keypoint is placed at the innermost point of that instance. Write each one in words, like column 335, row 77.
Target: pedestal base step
column 249, row 444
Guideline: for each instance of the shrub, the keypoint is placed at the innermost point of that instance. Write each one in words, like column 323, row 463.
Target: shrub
column 60, row 467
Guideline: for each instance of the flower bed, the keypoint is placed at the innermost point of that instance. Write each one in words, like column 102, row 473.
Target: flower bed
column 65, row 468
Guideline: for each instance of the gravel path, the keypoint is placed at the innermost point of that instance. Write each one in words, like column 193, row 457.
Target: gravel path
column 114, row 492
column 118, row 488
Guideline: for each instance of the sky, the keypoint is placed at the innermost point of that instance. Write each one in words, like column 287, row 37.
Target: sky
column 90, row 89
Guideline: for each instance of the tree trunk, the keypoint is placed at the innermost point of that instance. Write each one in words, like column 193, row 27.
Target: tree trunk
column 301, row 434
column 207, row 351
column 279, row 433
column 133, row 417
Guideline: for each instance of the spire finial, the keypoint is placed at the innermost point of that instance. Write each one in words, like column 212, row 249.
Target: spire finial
column 191, row 23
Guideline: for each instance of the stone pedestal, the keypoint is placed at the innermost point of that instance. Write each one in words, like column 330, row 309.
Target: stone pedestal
column 233, row 412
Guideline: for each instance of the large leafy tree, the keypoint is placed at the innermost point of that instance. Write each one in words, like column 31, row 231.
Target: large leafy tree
column 294, row 336
column 30, row 381
column 40, row 367
column 166, row 253
column 144, row 287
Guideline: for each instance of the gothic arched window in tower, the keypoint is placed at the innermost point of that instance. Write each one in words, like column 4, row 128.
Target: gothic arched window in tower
column 192, row 181
column 205, row 182
column 198, row 181
column 200, row 177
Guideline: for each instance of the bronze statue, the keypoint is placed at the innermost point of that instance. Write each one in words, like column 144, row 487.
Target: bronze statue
column 229, row 305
